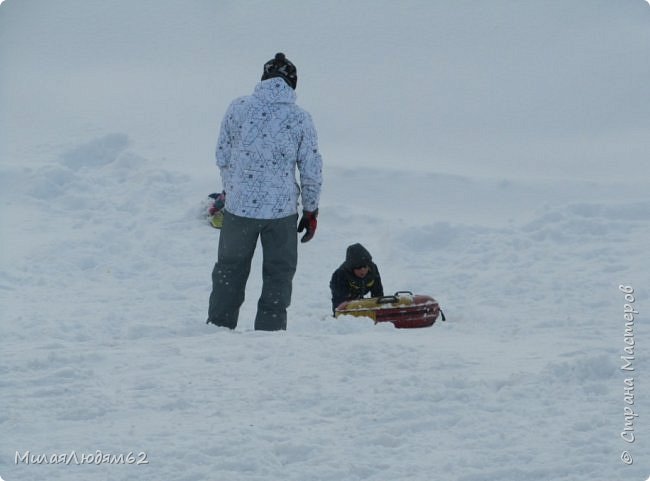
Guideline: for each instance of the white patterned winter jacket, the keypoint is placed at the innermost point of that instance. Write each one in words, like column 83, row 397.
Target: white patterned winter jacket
column 263, row 138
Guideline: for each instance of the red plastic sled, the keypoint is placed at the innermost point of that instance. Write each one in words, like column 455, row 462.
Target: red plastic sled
column 404, row 309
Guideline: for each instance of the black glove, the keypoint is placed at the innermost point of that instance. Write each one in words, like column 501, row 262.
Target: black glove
column 308, row 222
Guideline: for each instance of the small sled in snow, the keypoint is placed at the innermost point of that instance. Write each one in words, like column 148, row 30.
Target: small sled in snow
column 404, row 309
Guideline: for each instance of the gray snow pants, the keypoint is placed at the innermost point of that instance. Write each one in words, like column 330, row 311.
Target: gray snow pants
column 237, row 242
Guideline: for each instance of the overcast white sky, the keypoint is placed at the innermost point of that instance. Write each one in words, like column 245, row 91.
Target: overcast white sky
column 504, row 88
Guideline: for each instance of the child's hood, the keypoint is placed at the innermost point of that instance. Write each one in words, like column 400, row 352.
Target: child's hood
column 357, row 255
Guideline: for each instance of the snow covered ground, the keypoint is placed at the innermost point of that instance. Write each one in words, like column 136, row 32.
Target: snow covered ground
column 105, row 282
column 104, row 279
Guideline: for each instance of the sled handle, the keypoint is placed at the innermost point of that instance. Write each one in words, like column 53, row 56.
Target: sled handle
column 393, row 298
column 386, row 299
column 403, row 292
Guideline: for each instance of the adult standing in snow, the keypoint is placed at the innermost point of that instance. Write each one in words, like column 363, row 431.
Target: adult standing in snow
column 356, row 277
column 263, row 138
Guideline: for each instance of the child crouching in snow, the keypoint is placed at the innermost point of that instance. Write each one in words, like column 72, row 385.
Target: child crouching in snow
column 357, row 276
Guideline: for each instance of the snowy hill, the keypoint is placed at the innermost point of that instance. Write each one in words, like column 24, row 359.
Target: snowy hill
column 105, row 275
column 107, row 349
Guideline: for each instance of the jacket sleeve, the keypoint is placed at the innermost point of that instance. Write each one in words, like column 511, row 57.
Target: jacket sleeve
column 377, row 289
column 310, row 165
column 338, row 288
column 224, row 148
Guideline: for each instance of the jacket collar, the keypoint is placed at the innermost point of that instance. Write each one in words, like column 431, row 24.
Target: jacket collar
column 275, row 90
